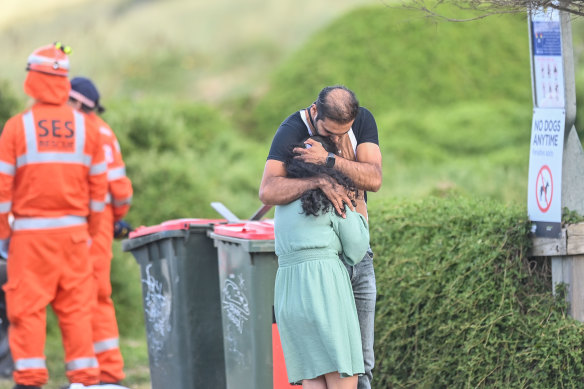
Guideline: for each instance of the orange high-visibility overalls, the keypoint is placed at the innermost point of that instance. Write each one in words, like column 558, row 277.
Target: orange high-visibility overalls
column 119, row 197
column 53, row 177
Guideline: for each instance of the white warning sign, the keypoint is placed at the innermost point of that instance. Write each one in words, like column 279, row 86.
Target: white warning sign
column 544, row 194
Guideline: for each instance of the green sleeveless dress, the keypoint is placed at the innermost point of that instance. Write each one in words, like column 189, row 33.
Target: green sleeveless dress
column 313, row 299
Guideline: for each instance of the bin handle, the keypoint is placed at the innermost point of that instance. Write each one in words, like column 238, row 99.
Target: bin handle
column 260, row 212
column 231, row 218
column 225, row 212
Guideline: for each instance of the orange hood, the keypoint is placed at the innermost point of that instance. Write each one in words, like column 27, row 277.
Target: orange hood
column 46, row 88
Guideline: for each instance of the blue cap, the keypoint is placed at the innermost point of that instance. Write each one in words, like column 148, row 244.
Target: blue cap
column 84, row 91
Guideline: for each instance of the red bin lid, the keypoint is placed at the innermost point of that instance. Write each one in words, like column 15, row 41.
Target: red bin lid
column 251, row 230
column 176, row 224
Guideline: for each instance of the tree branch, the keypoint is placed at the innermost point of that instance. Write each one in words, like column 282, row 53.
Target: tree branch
column 493, row 7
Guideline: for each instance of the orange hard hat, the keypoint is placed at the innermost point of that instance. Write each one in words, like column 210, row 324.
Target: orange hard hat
column 50, row 59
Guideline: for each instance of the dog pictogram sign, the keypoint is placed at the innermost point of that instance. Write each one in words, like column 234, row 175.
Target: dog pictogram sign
column 544, row 188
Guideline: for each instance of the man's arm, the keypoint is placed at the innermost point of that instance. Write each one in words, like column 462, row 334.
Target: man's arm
column 365, row 171
column 277, row 189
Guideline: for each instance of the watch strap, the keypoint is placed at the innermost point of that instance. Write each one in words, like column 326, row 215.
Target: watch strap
column 330, row 160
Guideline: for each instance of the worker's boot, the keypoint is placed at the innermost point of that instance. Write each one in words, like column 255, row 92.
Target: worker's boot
column 18, row 386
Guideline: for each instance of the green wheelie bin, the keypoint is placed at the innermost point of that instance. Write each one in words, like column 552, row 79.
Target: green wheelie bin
column 182, row 309
column 247, row 273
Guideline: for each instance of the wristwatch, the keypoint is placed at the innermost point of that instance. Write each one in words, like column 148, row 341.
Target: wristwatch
column 330, row 160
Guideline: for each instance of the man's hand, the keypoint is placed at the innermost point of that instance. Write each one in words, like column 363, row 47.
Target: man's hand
column 313, row 153
column 337, row 194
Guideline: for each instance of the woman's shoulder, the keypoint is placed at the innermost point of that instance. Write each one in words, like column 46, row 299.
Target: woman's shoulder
column 351, row 216
column 285, row 211
column 293, row 204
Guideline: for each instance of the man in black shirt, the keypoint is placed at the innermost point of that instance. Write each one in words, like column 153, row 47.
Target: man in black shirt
column 335, row 114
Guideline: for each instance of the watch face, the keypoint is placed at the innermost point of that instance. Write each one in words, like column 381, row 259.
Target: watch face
column 330, row 160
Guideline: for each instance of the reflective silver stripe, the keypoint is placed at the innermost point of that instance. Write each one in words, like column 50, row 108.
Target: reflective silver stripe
column 119, row 203
column 108, row 198
column 97, row 206
column 5, row 206
column 80, row 134
column 30, row 135
column 79, row 97
column 105, row 345
column 36, row 59
column 105, row 131
column 30, row 363
column 34, row 156
column 98, row 169
column 7, row 168
column 81, row 363
column 41, row 223
column 53, row 157
column 114, row 174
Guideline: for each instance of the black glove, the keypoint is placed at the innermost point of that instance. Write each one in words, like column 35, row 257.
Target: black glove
column 122, row 229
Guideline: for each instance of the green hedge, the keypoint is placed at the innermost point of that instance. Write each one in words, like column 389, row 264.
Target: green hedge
column 183, row 156
column 462, row 305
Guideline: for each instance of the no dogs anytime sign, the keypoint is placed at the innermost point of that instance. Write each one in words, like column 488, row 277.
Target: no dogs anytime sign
column 544, row 193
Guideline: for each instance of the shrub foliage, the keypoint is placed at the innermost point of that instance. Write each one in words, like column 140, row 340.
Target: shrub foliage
column 9, row 103
column 462, row 305
column 183, row 156
column 396, row 59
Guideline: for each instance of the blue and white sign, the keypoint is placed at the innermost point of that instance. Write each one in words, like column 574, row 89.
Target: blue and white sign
column 544, row 193
column 548, row 69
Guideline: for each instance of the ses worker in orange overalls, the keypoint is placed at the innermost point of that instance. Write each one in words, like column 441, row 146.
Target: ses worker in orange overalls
column 84, row 96
column 53, row 178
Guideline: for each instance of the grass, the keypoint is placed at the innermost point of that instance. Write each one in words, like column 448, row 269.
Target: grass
column 400, row 61
column 200, row 51
column 13, row 11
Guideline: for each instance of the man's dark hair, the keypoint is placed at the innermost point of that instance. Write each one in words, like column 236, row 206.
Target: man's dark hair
column 337, row 103
column 314, row 201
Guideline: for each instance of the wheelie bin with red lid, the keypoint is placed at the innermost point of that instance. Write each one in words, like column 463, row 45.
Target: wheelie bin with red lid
column 247, row 273
column 182, row 309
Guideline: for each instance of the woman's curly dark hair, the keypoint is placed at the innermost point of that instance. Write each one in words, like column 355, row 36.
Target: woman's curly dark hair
column 314, row 201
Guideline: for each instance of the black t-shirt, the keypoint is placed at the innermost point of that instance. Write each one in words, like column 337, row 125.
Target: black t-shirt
column 293, row 130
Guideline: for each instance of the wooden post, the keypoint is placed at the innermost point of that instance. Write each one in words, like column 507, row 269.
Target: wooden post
column 567, row 254
column 567, row 251
column 569, row 269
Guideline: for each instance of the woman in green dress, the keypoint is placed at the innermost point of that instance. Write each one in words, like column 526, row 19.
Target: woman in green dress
column 313, row 299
